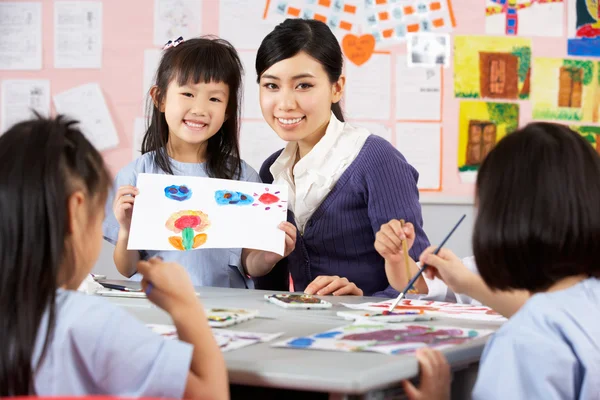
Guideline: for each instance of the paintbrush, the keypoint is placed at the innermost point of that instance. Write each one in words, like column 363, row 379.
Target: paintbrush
column 418, row 274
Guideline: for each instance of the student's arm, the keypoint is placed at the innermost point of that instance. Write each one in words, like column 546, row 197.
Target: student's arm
column 446, row 266
column 258, row 263
column 172, row 290
column 434, row 377
column 125, row 260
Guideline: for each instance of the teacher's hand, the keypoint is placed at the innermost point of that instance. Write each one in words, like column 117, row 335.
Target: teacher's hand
column 324, row 285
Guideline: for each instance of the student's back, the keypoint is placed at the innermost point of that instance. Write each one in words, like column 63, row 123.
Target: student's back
column 549, row 348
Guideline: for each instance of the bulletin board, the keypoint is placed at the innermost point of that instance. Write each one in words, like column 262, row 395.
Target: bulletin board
column 496, row 64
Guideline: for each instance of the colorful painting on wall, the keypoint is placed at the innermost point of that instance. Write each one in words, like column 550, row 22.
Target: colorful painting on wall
column 524, row 17
column 436, row 308
column 584, row 28
column 481, row 126
column 589, row 133
column 220, row 214
column 391, row 339
column 492, row 67
column 566, row 90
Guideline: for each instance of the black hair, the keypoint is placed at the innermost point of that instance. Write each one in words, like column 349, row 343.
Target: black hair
column 43, row 162
column 538, row 220
column 314, row 38
column 205, row 59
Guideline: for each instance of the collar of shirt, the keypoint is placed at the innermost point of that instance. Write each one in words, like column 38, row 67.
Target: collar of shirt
column 311, row 179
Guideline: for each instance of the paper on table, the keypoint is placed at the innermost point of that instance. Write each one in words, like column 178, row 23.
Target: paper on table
column 21, row 35
column 366, row 97
column 257, row 142
column 77, row 34
column 86, row 104
column 20, row 97
column 174, row 18
column 420, row 144
column 206, row 213
column 418, row 92
column 241, row 23
column 151, row 61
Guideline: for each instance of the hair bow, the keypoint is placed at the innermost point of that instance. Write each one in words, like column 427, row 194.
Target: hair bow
column 173, row 43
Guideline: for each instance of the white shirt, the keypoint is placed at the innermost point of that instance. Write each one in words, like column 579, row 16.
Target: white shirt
column 311, row 179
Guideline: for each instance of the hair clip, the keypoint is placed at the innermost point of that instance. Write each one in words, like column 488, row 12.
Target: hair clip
column 173, row 43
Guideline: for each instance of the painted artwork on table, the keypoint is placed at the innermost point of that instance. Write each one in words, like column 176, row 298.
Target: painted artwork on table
column 227, row 340
column 220, row 214
column 524, row 17
column 436, row 308
column 589, row 133
column 481, row 126
column 223, row 317
column 584, row 28
column 566, row 90
column 363, row 336
column 492, row 67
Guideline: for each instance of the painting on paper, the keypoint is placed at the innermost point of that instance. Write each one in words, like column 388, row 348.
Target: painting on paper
column 391, row 339
column 184, row 213
column 439, row 308
column 492, row 67
column 589, row 133
column 481, row 126
column 524, row 17
column 566, row 90
column 584, row 28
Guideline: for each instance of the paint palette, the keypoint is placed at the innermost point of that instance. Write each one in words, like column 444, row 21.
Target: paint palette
column 378, row 316
column 222, row 317
column 304, row 301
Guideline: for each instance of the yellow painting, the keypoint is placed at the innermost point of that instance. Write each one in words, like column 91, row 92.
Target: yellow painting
column 481, row 126
column 590, row 133
column 492, row 67
column 566, row 90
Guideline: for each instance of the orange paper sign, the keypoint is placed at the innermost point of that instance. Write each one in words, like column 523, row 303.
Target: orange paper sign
column 358, row 49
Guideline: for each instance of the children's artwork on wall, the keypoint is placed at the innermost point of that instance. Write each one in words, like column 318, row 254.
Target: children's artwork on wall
column 178, row 193
column 524, row 17
column 589, row 133
column 584, row 28
column 566, row 90
column 492, row 67
column 436, row 308
column 227, row 340
column 210, row 218
column 363, row 336
column 481, row 126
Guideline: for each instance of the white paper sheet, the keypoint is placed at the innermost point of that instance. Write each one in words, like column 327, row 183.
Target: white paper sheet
column 139, row 130
column 534, row 19
column 366, row 95
column 86, row 104
column 376, row 129
column 428, row 50
column 257, row 142
column 421, row 146
column 241, row 23
column 203, row 216
column 418, row 92
column 174, row 18
column 251, row 106
column 21, row 35
column 151, row 62
column 78, row 34
column 20, row 97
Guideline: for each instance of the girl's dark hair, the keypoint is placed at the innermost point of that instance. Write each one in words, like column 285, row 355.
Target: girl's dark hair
column 43, row 162
column 205, row 59
column 538, row 218
column 310, row 36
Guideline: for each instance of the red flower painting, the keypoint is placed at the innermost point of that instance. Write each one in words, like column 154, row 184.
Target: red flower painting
column 188, row 223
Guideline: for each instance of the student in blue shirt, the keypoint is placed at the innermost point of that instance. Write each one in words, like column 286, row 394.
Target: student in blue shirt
column 193, row 131
column 537, row 229
column 56, row 341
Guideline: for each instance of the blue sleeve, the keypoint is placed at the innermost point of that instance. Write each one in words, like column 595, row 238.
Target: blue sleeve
column 392, row 193
column 110, row 226
column 526, row 366
column 249, row 174
column 126, row 358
